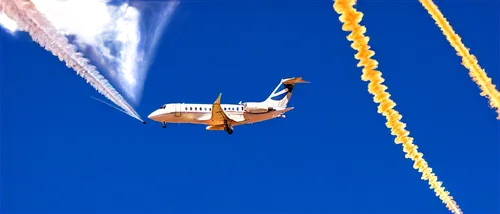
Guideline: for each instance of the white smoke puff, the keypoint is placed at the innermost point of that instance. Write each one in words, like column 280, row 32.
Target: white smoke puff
column 85, row 17
column 69, row 15
column 6, row 20
column 43, row 32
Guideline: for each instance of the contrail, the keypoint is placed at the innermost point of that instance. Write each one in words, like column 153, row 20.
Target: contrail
column 112, row 106
column 150, row 49
column 350, row 18
column 468, row 60
column 29, row 19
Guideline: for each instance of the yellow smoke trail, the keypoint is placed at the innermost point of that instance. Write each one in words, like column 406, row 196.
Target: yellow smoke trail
column 468, row 60
column 351, row 18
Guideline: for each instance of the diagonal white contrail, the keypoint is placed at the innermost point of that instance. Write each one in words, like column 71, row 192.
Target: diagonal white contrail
column 30, row 20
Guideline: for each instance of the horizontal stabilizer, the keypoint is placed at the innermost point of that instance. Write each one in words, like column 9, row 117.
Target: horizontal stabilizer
column 294, row 80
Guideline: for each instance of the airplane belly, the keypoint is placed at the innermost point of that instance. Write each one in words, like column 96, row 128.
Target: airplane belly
column 194, row 118
column 253, row 118
column 237, row 117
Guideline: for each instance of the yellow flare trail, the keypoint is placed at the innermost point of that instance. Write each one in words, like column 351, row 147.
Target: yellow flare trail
column 350, row 18
column 468, row 60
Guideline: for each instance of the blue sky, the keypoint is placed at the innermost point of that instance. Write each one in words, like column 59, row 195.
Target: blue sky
column 62, row 152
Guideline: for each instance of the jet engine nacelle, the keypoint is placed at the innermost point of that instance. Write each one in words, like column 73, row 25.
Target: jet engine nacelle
column 257, row 108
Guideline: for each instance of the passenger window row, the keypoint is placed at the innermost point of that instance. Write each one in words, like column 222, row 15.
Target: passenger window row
column 196, row 109
column 210, row 109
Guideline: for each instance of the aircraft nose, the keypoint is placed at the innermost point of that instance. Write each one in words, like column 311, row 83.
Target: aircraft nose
column 152, row 115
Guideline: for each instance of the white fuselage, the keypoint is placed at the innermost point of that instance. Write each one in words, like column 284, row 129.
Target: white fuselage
column 202, row 113
column 219, row 116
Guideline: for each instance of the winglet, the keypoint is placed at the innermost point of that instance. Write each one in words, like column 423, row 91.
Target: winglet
column 218, row 99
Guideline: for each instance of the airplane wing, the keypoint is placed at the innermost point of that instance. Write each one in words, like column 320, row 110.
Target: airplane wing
column 218, row 115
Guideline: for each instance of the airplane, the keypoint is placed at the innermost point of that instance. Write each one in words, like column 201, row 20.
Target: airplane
column 220, row 117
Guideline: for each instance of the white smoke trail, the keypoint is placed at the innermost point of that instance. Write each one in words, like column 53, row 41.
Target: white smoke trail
column 150, row 50
column 112, row 106
column 28, row 19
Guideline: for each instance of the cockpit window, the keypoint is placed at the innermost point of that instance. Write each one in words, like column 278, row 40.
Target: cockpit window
column 163, row 106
